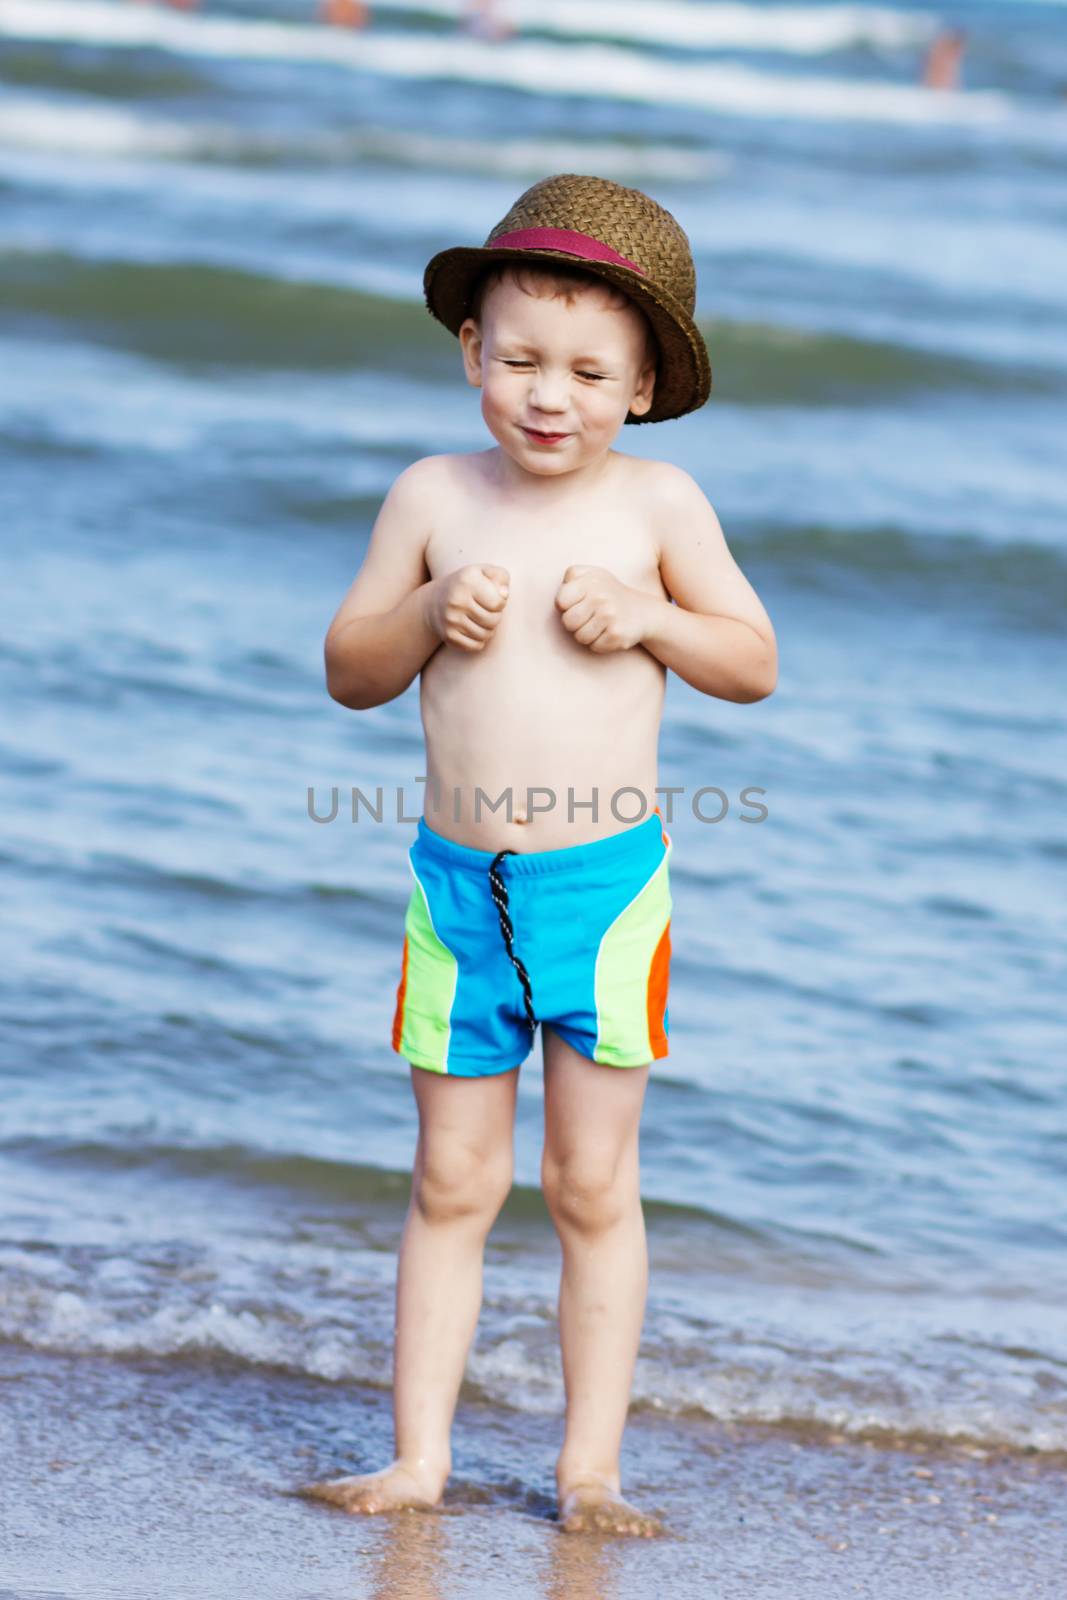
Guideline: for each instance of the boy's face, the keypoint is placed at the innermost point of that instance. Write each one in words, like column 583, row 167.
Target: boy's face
column 557, row 377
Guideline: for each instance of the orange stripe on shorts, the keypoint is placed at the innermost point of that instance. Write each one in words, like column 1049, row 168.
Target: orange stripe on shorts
column 658, row 974
column 401, row 991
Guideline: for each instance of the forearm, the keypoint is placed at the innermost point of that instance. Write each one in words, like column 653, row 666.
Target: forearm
column 720, row 656
column 370, row 660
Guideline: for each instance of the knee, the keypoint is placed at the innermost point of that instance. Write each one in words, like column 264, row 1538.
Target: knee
column 586, row 1195
column 457, row 1182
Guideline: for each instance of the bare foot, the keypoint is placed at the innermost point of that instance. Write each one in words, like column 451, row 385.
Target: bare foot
column 592, row 1507
column 394, row 1487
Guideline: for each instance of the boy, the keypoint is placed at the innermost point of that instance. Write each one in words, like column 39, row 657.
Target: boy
column 531, row 585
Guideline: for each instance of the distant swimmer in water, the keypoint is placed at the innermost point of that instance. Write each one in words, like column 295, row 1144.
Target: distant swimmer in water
column 483, row 20
column 941, row 69
column 344, row 13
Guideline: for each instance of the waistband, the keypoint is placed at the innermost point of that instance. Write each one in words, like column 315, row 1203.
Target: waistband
column 641, row 838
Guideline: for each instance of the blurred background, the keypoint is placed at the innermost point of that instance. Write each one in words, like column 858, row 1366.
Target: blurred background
column 215, row 359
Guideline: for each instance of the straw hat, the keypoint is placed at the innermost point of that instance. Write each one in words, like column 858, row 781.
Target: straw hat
column 615, row 233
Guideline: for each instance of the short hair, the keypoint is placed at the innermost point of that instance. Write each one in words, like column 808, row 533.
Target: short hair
column 560, row 281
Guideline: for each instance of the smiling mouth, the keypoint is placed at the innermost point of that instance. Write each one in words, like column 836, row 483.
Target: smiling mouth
column 545, row 438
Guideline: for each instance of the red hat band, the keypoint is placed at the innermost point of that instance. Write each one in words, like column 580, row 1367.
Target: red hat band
column 565, row 239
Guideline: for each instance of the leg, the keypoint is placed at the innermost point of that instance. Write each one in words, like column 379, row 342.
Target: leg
column 462, row 1176
column 591, row 1179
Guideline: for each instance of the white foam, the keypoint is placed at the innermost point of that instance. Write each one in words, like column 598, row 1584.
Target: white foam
column 795, row 30
column 749, row 1375
column 584, row 70
column 91, row 129
column 32, row 122
column 609, row 157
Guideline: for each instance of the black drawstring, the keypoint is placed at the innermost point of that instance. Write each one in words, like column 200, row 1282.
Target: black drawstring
column 500, row 896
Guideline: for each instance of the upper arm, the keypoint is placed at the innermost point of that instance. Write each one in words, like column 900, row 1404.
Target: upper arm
column 696, row 566
column 395, row 562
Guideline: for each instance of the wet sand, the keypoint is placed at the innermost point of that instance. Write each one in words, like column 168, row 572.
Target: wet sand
column 177, row 1478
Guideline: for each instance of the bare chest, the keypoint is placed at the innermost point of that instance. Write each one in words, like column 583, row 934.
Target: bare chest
column 536, row 555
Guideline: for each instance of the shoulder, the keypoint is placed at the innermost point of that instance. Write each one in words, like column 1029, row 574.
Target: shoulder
column 434, row 481
column 421, row 479
column 671, row 498
column 672, row 485
column 416, row 497
column 660, row 480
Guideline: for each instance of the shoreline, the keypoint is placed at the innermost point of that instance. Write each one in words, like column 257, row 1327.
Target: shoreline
column 186, row 1469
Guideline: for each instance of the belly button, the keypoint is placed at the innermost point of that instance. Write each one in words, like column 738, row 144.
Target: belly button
column 521, row 817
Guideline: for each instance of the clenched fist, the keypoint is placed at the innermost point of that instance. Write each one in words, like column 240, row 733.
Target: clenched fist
column 466, row 605
column 599, row 611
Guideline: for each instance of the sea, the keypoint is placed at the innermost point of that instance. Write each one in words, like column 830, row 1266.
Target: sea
column 214, row 360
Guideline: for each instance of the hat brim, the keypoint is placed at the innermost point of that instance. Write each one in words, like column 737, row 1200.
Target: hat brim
column 683, row 378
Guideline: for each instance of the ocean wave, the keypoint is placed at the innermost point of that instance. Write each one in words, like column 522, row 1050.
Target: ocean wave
column 331, row 1319
column 769, row 1377
column 53, row 124
column 1018, row 573
column 774, row 364
column 245, row 316
column 319, row 1178
column 793, row 30
column 171, row 884
column 44, row 124
column 584, row 70
column 192, row 312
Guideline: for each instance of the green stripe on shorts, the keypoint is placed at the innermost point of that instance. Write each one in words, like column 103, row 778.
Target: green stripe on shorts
column 623, row 965
column 432, row 975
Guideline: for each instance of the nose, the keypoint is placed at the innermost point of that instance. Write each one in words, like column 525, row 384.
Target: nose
column 549, row 392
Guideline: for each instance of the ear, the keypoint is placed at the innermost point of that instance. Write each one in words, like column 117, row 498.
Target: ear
column 641, row 400
column 470, row 340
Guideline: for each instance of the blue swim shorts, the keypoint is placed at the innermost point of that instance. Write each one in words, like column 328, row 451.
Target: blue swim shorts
column 577, row 938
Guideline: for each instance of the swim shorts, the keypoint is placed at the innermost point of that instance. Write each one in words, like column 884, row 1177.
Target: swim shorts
column 577, row 938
